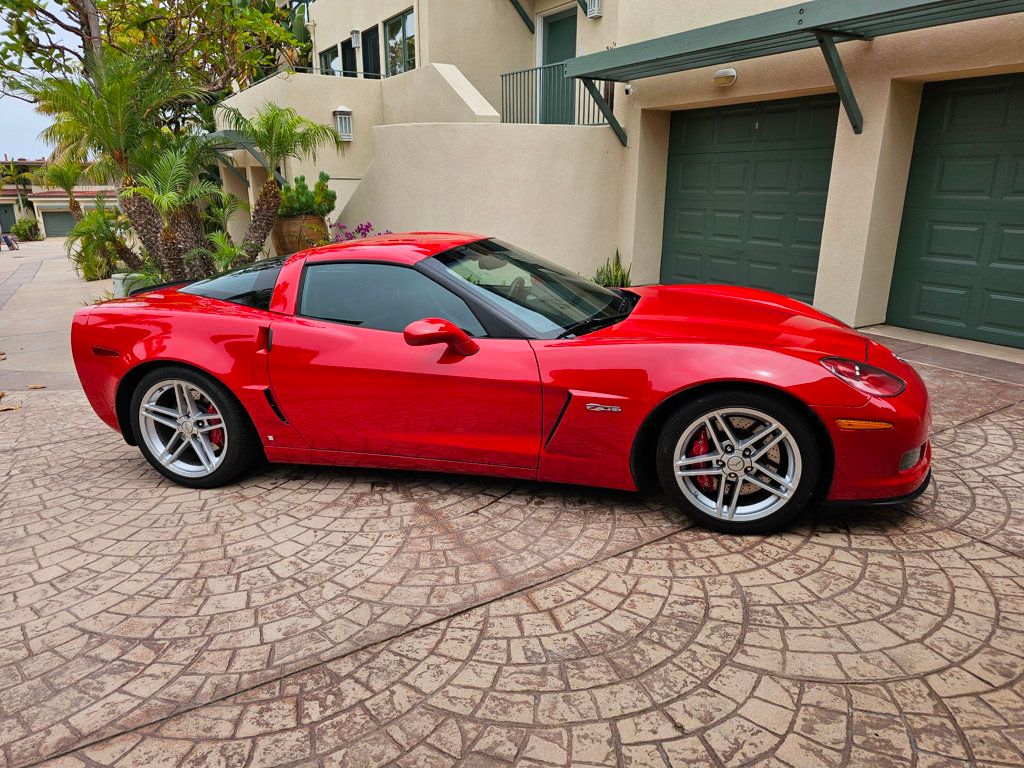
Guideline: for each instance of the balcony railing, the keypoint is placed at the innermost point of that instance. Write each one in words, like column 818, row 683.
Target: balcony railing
column 543, row 95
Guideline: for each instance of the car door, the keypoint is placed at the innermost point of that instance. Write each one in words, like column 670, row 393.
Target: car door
column 345, row 377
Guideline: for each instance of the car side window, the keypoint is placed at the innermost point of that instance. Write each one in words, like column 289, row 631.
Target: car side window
column 385, row 297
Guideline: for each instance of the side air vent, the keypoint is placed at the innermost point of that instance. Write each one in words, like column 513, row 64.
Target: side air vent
column 273, row 405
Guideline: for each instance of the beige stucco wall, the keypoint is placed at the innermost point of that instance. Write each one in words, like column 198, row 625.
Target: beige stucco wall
column 551, row 189
column 316, row 97
column 483, row 38
column 437, row 93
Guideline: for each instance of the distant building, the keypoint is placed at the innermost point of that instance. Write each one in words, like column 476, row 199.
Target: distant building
column 49, row 206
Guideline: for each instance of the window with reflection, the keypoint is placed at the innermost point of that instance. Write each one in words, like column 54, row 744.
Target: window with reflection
column 400, row 43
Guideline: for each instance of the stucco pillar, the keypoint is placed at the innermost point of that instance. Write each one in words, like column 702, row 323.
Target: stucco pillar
column 239, row 220
column 642, row 206
column 865, row 200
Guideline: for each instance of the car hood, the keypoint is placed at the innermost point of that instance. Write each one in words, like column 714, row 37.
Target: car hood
column 734, row 315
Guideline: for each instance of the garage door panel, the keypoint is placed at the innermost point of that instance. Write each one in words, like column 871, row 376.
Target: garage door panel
column 57, row 223
column 972, row 111
column 1001, row 312
column 960, row 259
column 759, row 221
column 1009, row 251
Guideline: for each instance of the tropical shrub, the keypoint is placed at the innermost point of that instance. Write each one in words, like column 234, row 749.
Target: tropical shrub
column 219, row 251
column 26, row 228
column 340, row 233
column 279, row 133
column 613, row 274
column 299, row 200
column 96, row 244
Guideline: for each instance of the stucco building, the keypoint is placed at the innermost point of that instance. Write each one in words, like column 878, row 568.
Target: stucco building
column 49, row 206
column 866, row 155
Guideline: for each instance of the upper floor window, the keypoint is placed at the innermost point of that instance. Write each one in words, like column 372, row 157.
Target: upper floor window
column 400, row 43
column 329, row 63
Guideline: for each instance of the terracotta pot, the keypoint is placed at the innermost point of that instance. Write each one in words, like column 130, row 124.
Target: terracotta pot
column 296, row 233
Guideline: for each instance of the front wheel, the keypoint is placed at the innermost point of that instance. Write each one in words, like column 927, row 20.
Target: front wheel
column 191, row 429
column 739, row 462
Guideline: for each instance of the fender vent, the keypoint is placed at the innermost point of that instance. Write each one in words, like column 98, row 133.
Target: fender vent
column 273, row 405
column 558, row 419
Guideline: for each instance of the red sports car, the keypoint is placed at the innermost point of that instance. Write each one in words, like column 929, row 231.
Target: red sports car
column 460, row 353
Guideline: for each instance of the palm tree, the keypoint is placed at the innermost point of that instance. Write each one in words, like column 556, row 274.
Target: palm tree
column 277, row 132
column 14, row 174
column 97, row 242
column 172, row 188
column 64, row 174
column 114, row 114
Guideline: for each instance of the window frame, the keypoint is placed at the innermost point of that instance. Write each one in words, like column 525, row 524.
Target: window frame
column 329, row 70
column 405, row 43
column 481, row 311
column 346, row 46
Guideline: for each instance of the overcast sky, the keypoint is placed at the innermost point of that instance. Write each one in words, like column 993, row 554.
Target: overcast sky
column 19, row 130
column 19, row 127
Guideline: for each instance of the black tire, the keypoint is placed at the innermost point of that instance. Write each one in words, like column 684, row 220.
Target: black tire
column 241, row 452
column 789, row 416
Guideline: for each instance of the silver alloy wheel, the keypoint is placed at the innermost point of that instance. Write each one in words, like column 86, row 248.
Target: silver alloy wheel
column 737, row 464
column 183, row 428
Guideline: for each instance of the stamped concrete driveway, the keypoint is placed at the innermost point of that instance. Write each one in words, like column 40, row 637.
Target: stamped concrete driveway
column 354, row 618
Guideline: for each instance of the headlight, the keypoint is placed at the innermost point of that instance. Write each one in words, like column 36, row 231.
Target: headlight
column 865, row 378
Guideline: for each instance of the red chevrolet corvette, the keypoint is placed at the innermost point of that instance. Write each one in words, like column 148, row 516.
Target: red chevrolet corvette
column 459, row 353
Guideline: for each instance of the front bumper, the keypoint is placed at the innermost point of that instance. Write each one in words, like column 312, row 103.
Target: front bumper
column 873, row 466
column 905, row 499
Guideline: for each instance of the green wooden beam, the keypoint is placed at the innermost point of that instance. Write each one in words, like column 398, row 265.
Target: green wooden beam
column 524, row 16
column 838, row 71
column 779, row 31
column 583, row 5
column 605, row 109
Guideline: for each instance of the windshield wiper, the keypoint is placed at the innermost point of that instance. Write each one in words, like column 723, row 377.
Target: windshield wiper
column 592, row 324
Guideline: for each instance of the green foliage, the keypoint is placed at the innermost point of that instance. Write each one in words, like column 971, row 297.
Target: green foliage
column 220, row 250
column 281, row 132
column 63, row 174
column 613, row 274
column 300, row 200
column 95, row 242
column 114, row 110
column 171, row 184
column 26, row 228
column 210, row 44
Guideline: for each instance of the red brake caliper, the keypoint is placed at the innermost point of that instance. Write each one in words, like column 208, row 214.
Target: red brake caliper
column 699, row 447
column 216, row 435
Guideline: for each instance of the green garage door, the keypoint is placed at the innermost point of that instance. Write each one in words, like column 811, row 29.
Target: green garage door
column 746, row 194
column 960, row 262
column 57, row 223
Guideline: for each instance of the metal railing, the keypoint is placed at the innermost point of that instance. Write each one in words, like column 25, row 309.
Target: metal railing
column 543, row 95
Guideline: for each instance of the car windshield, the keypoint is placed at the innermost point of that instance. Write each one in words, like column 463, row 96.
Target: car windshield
column 551, row 301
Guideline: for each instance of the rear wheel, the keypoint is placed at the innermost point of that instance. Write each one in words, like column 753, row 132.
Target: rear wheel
column 191, row 429
column 739, row 462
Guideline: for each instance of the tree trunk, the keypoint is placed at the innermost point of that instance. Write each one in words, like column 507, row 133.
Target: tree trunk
column 130, row 258
column 171, row 255
column 188, row 226
column 264, row 214
column 144, row 218
column 74, row 207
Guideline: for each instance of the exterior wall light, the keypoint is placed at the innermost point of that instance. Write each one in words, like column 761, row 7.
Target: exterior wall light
column 725, row 77
column 355, row 38
column 343, row 122
column 595, row 9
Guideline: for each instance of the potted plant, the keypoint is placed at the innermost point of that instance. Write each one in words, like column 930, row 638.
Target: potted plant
column 301, row 217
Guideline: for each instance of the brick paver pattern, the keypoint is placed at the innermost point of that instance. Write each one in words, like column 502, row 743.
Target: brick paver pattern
column 354, row 618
